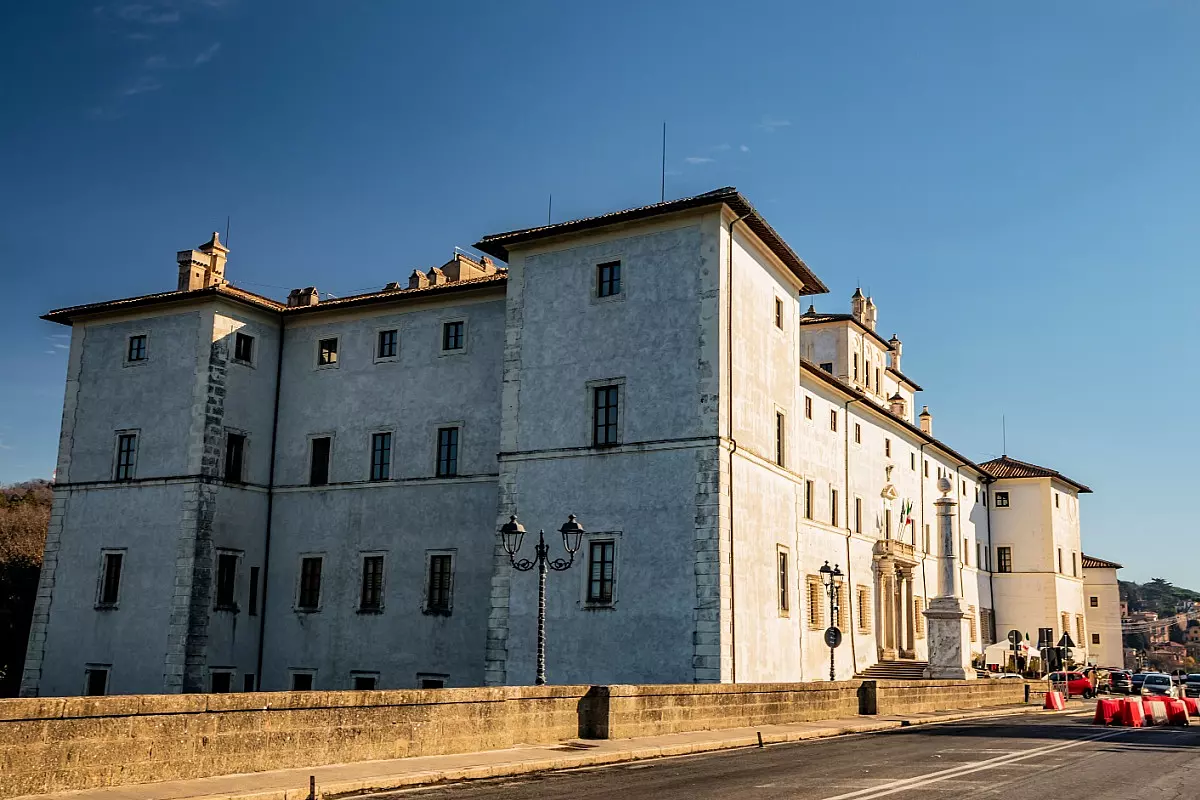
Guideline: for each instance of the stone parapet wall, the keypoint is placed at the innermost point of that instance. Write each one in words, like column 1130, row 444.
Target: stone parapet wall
column 56, row 744
column 917, row 697
column 652, row 710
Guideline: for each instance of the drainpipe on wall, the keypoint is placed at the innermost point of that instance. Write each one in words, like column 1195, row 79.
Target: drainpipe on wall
column 262, row 607
column 849, row 584
column 732, row 450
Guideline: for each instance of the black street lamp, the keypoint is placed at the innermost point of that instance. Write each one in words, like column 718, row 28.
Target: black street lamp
column 511, row 535
column 832, row 579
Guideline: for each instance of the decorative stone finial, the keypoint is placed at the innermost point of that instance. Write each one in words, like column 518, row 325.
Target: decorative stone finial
column 944, row 485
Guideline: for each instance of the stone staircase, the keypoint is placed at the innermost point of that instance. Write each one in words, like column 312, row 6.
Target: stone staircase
column 899, row 670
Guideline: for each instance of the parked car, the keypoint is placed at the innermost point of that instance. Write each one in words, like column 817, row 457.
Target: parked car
column 1159, row 684
column 1136, row 680
column 1077, row 684
column 1120, row 681
column 1191, row 686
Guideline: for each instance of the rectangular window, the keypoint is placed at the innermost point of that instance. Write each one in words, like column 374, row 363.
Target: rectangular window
column 778, row 313
column 979, row 555
column 1094, row 601
column 381, row 456
column 833, row 507
column 816, row 604
column 856, row 366
column 309, row 597
column 327, row 352
column 974, row 623
column 387, row 345
column 1001, row 499
column 253, row 610
column 371, row 592
column 447, row 452
column 126, row 456
column 887, row 523
column 827, row 366
column 96, row 681
column 966, row 553
column 863, row 609
column 137, row 348
column 1060, row 562
column 221, row 681
column 919, row 616
column 248, row 682
column 227, row 564
column 302, row 681
column 964, row 487
column 243, row 348
column 887, row 448
column 1074, row 565
column 857, row 433
column 858, row 515
column 912, row 461
column 605, row 411
column 235, row 448
column 807, row 407
column 608, row 279
column 926, row 469
column 808, row 500
column 1056, row 499
column 833, row 419
column 437, row 598
column 453, row 335
column 780, row 434
column 1080, row 633
column 928, row 542
column 432, row 683
column 878, row 385
column 318, row 468
column 110, row 579
column 601, row 560
column 782, row 580
column 1066, row 623
column 364, row 681
column 1095, row 638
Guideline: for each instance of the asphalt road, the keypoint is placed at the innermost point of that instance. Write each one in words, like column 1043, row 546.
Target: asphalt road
column 1017, row 758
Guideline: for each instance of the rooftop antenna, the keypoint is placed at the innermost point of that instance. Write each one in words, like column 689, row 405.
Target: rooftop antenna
column 1003, row 435
column 549, row 208
column 662, row 187
column 227, row 230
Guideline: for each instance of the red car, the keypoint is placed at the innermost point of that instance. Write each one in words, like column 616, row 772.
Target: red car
column 1078, row 684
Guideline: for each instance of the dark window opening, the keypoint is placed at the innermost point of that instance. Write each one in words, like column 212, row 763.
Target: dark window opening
column 365, row 683
column 248, row 682
column 302, row 681
column 253, row 591
column 318, row 471
column 1004, row 559
column 601, row 559
column 452, row 335
column 310, row 584
column 327, row 352
column 97, row 682
column 371, row 596
column 110, row 587
column 778, row 313
column 1002, row 500
column 126, row 454
column 608, row 279
column 440, row 573
column 381, row 456
column 808, row 407
column 780, row 437
column 433, row 683
column 605, row 415
column 243, row 347
column 447, row 452
column 808, row 500
column 783, row 581
column 235, row 448
column 227, row 581
column 137, row 348
column 387, row 344
column 222, row 682
column 827, row 366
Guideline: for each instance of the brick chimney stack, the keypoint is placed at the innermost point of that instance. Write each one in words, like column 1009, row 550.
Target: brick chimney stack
column 200, row 269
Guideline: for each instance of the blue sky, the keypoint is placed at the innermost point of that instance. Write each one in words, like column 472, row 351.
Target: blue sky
column 1016, row 184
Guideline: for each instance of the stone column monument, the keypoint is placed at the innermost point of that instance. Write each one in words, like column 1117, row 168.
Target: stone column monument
column 949, row 629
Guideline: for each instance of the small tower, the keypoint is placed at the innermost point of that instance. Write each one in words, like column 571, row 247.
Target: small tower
column 870, row 312
column 897, row 347
column 202, row 268
column 858, row 307
column 926, row 421
column 898, row 406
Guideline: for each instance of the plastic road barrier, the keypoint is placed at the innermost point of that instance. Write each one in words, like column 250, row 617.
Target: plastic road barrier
column 1193, row 706
column 1055, row 701
column 1108, row 712
column 1131, row 713
column 1156, row 710
column 1176, row 712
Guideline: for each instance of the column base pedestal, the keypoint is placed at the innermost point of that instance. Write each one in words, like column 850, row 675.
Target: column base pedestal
column 949, row 640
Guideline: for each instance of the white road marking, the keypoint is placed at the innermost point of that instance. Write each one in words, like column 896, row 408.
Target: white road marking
column 921, row 781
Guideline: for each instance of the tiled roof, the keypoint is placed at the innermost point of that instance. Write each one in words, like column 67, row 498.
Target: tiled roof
column 906, row 379
column 65, row 315
column 498, row 244
column 1098, row 563
column 1005, row 467
column 817, row 318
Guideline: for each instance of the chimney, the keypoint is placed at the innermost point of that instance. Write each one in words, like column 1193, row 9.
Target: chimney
column 202, row 268
column 926, row 421
column 897, row 348
column 858, row 307
column 308, row 296
column 870, row 314
column 418, row 280
column 436, row 277
column 392, row 286
column 897, row 406
column 463, row 268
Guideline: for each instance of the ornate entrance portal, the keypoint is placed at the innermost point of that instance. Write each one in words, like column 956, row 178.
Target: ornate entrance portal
column 895, row 629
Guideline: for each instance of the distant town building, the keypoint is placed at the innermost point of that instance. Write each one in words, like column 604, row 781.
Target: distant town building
column 257, row 494
column 1101, row 611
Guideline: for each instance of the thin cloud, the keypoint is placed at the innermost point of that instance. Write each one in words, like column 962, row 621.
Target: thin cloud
column 207, row 54
column 744, row 149
column 155, row 62
column 720, row 147
column 147, row 14
column 143, row 84
column 771, row 124
column 699, row 160
column 63, row 346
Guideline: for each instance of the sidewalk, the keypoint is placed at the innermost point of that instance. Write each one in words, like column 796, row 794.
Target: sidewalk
column 378, row 776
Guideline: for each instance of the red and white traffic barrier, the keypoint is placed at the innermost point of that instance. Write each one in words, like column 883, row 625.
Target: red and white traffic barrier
column 1055, row 701
column 1193, row 706
column 1131, row 713
column 1108, row 712
column 1156, row 710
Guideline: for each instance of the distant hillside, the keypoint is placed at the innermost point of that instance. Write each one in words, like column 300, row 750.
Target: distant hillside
column 1159, row 596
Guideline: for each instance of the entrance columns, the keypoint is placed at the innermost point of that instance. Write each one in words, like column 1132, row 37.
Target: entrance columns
column 909, row 612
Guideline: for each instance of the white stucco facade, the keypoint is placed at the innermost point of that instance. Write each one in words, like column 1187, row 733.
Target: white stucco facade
column 745, row 449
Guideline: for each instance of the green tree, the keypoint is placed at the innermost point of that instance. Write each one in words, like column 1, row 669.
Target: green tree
column 24, row 518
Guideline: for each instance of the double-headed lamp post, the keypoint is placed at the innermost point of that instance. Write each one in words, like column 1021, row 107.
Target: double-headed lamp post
column 832, row 580
column 511, row 535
